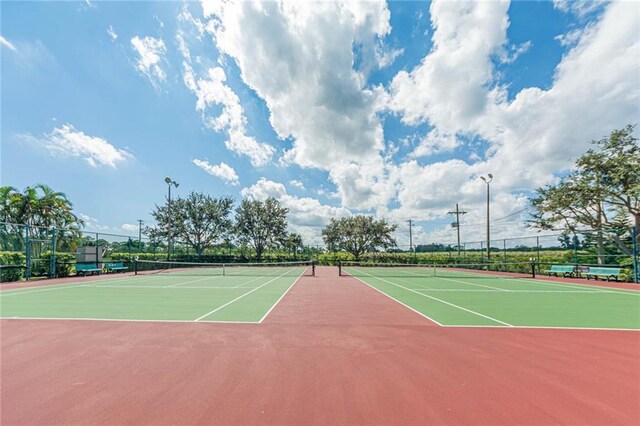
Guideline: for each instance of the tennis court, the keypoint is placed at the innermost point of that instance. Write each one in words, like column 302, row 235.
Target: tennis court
column 455, row 296
column 161, row 291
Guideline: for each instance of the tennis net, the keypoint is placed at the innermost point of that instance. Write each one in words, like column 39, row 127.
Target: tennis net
column 402, row 270
column 151, row 267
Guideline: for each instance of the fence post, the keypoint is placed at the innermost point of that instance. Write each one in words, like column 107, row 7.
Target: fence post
column 636, row 272
column 575, row 248
column 538, row 248
column 52, row 260
column 27, row 252
column 504, row 249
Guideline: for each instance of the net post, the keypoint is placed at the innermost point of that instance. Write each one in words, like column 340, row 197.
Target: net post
column 339, row 268
column 135, row 266
column 224, row 270
column 533, row 268
column 313, row 268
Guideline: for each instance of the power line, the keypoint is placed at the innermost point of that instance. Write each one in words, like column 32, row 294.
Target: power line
column 496, row 220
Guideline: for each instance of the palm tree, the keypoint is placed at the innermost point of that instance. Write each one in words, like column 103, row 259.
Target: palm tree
column 6, row 194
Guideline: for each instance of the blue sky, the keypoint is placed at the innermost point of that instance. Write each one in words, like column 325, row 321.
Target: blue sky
column 394, row 109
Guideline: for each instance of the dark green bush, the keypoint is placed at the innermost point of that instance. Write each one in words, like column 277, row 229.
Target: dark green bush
column 12, row 273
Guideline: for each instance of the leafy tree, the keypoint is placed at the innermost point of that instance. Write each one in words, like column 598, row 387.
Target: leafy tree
column 198, row 220
column 41, row 208
column 261, row 224
column 293, row 243
column 601, row 193
column 358, row 235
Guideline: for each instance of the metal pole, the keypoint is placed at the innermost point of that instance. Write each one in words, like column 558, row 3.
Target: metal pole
column 169, row 224
column 488, row 180
column 636, row 271
column 140, row 221
column 27, row 252
column 52, row 261
column 488, row 226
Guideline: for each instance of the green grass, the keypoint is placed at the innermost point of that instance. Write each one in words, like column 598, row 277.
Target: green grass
column 475, row 300
column 162, row 297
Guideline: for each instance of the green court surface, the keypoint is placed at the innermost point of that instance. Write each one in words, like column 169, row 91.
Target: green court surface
column 175, row 296
column 474, row 299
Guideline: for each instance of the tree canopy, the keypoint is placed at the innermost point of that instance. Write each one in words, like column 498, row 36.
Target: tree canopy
column 37, row 205
column 358, row 234
column 602, row 192
column 198, row 220
column 261, row 224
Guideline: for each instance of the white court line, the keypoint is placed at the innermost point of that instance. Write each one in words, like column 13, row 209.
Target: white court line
column 569, row 285
column 153, row 287
column 251, row 280
column 238, row 298
column 280, row 298
column 47, row 288
column 396, row 300
column 124, row 320
column 544, row 327
column 510, row 291
column 445, row 302
column 61, row 286
column 194, row 281
column 464, row 282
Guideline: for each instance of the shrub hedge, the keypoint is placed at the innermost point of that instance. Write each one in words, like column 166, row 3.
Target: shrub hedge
column 12, row 258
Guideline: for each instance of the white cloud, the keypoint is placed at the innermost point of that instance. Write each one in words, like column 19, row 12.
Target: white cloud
column 580, row 8
column 130, row 227
column 6, row 43
column 66, row 141
column 151, row 53
column 112, row 33
column 297, row 184
column 213, row 92
column 531, row 138
column 93, row 224
column 449, row 87
column 298, row 57
column 222, row 170
column 435, row 142
column 307, row 216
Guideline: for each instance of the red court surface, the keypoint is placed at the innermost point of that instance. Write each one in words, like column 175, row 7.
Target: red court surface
column 334, row 351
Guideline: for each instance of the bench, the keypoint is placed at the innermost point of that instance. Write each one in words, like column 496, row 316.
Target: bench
column 116, row 267
column 87, row 268
column 607, row 273
column 565, row 270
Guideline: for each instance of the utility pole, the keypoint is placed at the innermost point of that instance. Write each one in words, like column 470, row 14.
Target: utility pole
column 410, row 222
column 456, row 224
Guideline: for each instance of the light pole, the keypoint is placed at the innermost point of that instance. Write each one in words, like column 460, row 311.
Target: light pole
column 140, row 222
column 410, row 222
column 488, row 180
column 169, row 182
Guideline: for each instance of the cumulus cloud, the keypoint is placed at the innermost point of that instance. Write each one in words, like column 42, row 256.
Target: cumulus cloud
column 298, row 57
column 297, row 184
column 66, row 141
column 212, row 92
column 529, row 139
column 151, row 52
column 307, row 216
column 222, row 170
